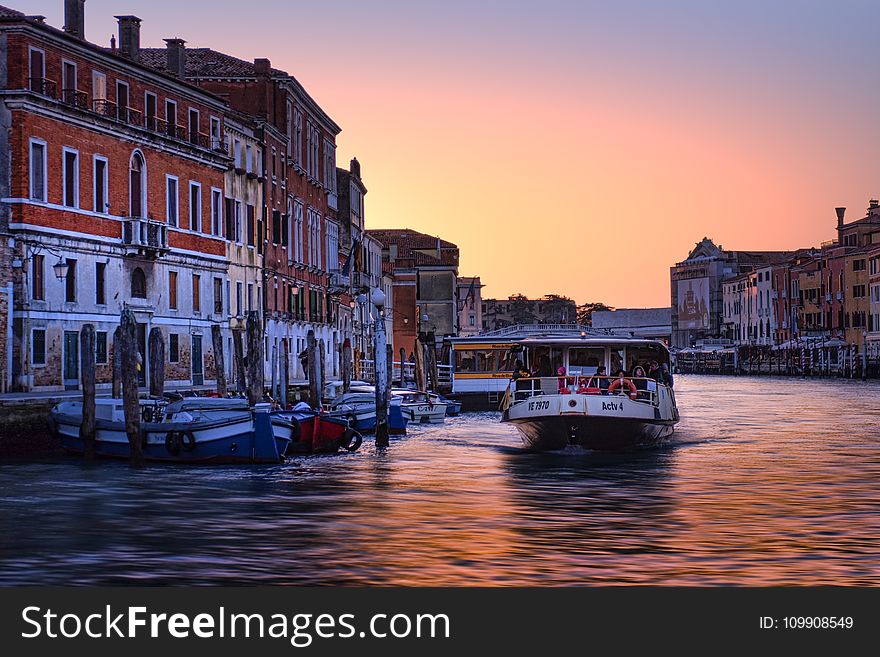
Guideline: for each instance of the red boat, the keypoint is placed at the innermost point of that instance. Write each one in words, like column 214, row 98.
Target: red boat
column 319, row 433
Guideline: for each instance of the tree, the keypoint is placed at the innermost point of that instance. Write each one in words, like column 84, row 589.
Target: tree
column 521, row 310
column 558, row 309
column 585, row 312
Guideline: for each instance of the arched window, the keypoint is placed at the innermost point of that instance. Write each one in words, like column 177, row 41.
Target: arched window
column 137, row 188
column 138, row 284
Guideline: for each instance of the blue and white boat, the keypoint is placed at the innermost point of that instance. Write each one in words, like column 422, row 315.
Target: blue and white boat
column 359, row 407
column 192, row 430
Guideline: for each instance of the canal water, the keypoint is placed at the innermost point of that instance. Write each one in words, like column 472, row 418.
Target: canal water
column 768, row 481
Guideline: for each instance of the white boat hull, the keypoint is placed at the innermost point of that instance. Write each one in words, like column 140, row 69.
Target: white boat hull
column 596, row 422
column 428, row 413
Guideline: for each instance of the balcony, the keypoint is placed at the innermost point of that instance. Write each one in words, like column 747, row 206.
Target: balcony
column 337, row 280
column 43, row 87
column 828, row 297
column 840, row 296
column 142, row 237
column 75, row 98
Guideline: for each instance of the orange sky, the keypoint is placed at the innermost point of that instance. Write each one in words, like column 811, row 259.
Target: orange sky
column 570, row 147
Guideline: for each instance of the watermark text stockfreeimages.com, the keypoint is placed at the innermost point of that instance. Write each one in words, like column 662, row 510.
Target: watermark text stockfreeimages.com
column 299, row 629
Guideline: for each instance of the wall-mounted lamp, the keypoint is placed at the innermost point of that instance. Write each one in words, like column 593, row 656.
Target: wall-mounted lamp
column 61, row 268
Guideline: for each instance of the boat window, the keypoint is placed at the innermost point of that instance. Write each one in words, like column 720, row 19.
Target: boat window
column 546, row 360
column 585, row 360
column 644, row 355
column 616, row 360
column 484, row 360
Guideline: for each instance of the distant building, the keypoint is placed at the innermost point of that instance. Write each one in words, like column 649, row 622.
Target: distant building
column 697, row 293
column 470, row 305
column 425, row 271
column 519, row 309
column 653, row 323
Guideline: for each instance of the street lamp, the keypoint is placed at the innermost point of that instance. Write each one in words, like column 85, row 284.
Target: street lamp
column 61, row 268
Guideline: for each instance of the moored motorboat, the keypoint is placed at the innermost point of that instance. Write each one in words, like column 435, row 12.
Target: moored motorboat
column 319, row 433
column 358, row 405
column 418, row 406
column 192, row 430
column 583, row 405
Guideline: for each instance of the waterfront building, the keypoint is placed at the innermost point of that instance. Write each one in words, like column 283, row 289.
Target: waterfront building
column 519, row 309
column 299, row 232
column 425, row 271
column 697, row 291
column 242, row 229
column 653, row 323
column 470, row 305
column 113, row 200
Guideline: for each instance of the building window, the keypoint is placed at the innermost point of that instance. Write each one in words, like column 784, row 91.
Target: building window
column 172, row 290
column 138, row 284
column 197, row 293
column 171, row 118
column 251, row 225
column 70, row 281
column 859, row 290
column 194, row 126
column 216, row 139
column 99, row 179
column 100, row 277
column 216, row 212
column 238, row 291
column 101, row 347
column 237, row 227
column 859, row 265
column 218, row 296
column 236, row 154
column 137, row 187
column 297, row 136
column 71, row 178
column 248, row 158
column 38, row 170
column 195, row 206
column 250, row 297
column 38, row 347
column 150, row 110
column 173, row 348
column 172, row 200
column 122, row 101
column 276, row 227
column 38, row 291
column 37, row 70
column 285, row 229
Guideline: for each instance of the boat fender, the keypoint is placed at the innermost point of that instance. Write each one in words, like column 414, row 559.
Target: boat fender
column 352, row 419
column 629, row 385
column 188, row 440
column 172, row 442
column 295, row 430
column 147, row 414
column 351, row 440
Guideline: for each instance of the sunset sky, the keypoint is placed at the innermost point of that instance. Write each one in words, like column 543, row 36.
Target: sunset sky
column 578, row 148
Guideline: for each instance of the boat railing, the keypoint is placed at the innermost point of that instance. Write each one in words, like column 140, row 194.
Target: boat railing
column 641, row 389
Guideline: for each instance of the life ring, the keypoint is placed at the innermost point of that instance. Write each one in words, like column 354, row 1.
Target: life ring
column 351, row 440
column 617, row 383
column 172, row 442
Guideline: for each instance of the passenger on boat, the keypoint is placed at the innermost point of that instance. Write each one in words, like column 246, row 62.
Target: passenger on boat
column 520, row 372
column 654, row 371
column 561, row 381
column 667, row 375
column 600, row 380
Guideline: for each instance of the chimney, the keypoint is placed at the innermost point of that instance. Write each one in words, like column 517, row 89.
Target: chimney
column 75, row 18
column 355, row 168
column 175, row 57
column 262, row 66
column 129, row 36
column 873, row 204
column 840, row 212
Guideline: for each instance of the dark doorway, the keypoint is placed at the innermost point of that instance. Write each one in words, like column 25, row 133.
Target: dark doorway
column 198, row 375
column 70, row 372
column 142, row 351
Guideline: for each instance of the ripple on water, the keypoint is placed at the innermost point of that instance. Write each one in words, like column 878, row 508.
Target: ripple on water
column 767, row 481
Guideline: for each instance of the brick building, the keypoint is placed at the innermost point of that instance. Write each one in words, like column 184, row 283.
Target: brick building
column 299, row 231
column 425, row 271
column 114, row 199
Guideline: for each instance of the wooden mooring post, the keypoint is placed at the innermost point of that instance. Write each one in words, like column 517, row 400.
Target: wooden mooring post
column 87, row 378
column 346, row 365
column 219, row 359
column 312, row 374
column 156, row 349
column 130, row 404
column 402, row 367
column 254, row 330
column 238, row 362
column 285, row 371
column 116, row 385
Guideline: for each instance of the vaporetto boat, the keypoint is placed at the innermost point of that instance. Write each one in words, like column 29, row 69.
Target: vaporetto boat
column 569, row 401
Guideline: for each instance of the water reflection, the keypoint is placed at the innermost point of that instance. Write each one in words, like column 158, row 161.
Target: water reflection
column 768, row 482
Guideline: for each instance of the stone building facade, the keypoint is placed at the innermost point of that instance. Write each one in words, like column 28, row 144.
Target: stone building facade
column 113, row 199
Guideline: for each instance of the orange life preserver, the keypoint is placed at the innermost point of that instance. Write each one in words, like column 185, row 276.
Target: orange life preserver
column 617, row 383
